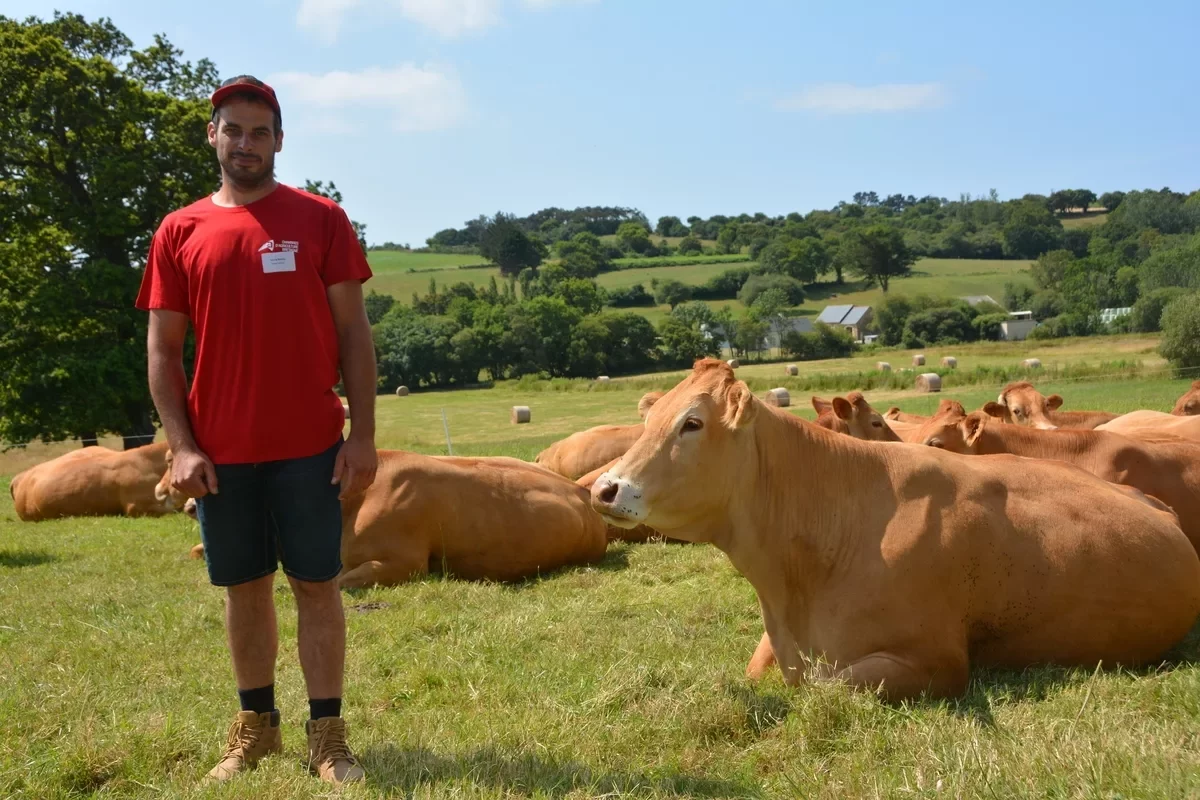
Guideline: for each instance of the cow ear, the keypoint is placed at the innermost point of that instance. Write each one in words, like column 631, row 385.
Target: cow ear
column 821, row 405
column 893, row 412
column 972, row 426
column 842, row 407
column 647, row 401
column 1054, row 401
column 739, row 406
column 995, row 410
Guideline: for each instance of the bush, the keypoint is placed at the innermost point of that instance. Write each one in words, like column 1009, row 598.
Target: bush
column 826, row 341
column 377, row 305
column 672, row 292
column 987, row 326
column 724, row 286
column 630, row 297
column 758, row 284
column 938, row 326
column 683, row 345
column 690, row 245
column 1181, row 333
column 1147, row 311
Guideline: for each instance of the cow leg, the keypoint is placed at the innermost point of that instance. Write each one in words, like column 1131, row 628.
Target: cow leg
column 762, row 659
column 898, row 678
column 372, row 573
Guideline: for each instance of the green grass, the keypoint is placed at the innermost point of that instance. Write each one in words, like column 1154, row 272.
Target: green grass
column 1080, row 220
column 620, row 680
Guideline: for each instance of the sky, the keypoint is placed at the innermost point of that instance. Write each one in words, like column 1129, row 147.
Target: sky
column 426, row 113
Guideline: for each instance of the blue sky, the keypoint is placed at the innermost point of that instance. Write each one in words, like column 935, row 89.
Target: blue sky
column 429, row 112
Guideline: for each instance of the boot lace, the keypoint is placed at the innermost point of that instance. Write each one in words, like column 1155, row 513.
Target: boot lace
column 332, row 746
column 241, row 738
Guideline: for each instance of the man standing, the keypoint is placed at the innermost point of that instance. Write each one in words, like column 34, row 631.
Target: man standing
column 271, row 279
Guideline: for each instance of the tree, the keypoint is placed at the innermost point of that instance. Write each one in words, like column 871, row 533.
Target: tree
column 633, row 236
column 758, row 284
column 508, row 247
column 331, row 191
column 690, row 245
column 1181, row 333
column 583, row 255
column 802, row 259
column 682, row 345
column 1083, row 199
column 750, row 334
column 672, row 292
column 670, row 226
column 632, row 343
column 1050, row 268
column 878, row 254
column 1147, row 311
column 98, row 143
column 378, row 305
column 693, row 314
column 1110, row 200
column 939, row 326
column 1032, row 229
column 581, row 294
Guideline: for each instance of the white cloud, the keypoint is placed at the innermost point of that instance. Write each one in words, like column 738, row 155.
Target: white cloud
column 449, row 18
column 846, row 98
column 418, row 98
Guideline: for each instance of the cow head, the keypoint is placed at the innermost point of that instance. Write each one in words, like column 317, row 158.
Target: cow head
column 949, row 428
column 171, row 498
column 863, row 421
column 647, row 402
column 1021, row 404
column 1189, row 404
column 679, row 475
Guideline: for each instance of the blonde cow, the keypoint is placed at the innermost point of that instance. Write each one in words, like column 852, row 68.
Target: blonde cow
column 499, row 519
column 1167, row 468
column 968, row 561
column 1189, row 403
column 1021, row 404
column 94, row 481
column 1154, row 424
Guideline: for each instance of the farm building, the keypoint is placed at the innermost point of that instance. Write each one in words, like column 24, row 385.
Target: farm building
column 773, row 339
column 1110, row 315
column 976, row 299
column 1017, row 326
column 856, row 319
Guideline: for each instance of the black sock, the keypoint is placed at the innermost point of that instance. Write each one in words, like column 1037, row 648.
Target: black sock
column 325, row 708
column 260, row 700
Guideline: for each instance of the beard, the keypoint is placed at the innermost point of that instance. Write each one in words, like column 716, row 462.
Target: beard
column 248, row 174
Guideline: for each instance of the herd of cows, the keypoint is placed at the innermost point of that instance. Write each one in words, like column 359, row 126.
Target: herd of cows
column 899, row 550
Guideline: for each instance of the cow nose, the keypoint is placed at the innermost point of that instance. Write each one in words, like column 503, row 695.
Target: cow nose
column 605, row 491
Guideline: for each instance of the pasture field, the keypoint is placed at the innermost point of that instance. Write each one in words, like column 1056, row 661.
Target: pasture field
column 622, row 679
column 1081, row 220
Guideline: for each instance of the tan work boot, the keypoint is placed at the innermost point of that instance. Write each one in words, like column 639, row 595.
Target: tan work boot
column 251, row 737
column 328, row 754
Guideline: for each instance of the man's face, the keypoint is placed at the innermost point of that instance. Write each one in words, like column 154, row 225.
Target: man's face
column 245, row 140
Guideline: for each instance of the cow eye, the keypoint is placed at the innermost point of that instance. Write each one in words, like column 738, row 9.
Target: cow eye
column 1018, row 412
column 877, row 423
column 692, row 424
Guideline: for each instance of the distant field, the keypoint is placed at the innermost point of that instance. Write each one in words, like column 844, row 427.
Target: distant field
column 398, row 260
column 936, row 276
column 1084, row 220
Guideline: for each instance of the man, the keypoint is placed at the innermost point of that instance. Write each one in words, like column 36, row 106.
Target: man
column 271, row 279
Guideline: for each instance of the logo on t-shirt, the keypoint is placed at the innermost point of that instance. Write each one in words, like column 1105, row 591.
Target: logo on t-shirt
column 267, row 245
column 285, row 245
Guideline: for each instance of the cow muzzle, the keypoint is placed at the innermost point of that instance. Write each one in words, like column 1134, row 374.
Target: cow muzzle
column 618, row 501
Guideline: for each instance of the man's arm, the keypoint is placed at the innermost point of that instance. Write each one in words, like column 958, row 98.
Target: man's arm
column 191, row 471
column 357, row 459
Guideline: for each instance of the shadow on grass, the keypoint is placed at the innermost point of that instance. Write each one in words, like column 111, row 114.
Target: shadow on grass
column 15, row 559
column 764, row 709
column 394, row 768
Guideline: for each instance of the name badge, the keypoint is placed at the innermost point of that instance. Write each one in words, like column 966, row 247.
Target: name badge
column 279, row 262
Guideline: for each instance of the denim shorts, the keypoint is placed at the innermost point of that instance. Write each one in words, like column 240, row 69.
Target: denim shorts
column 276, row 511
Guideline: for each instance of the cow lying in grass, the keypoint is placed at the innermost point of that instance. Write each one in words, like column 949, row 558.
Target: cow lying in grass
column 94, row 481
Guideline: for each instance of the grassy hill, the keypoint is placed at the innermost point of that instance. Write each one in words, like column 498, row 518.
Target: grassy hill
column 935, row 276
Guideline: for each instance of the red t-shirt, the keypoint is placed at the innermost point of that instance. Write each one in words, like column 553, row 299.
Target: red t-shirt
column 252, row 280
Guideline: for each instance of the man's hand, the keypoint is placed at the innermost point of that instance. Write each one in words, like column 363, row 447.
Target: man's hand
column 192, row 473
column 355, row 467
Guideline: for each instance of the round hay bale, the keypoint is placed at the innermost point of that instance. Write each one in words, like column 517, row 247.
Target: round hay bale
column 778, row 397
column 792, row 369
column 733, row 362
column 401, row 391
column 602, row 379
column 919, row 360
column 520, row 415
column 1032, row 363
column 883, row 366
column 929, row 382
column 950, row 361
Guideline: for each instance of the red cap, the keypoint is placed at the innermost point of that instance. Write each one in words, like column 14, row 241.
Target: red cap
column 245, row 84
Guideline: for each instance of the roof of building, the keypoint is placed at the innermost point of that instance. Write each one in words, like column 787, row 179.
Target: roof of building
column 832, row 315
column 856, row 315
column 976, row 299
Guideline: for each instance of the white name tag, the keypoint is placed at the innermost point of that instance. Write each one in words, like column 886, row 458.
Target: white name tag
column 279, row 262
